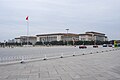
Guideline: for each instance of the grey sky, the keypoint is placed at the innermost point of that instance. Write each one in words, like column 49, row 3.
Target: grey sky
column 49, row 16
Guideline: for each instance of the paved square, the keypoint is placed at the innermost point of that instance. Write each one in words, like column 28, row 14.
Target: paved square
column 99, row 66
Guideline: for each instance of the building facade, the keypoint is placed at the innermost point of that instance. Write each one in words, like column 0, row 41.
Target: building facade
column 93, row 36
column 25, row 39
column 18, row 40
column 57, row 37
column 85, row 37
column 88, row 36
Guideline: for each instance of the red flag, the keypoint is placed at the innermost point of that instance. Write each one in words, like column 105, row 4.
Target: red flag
column 27, row 18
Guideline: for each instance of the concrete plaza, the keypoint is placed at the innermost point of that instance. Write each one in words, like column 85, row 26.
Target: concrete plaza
column 97, row 66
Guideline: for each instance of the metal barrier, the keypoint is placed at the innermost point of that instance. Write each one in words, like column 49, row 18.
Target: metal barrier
column 45, row 57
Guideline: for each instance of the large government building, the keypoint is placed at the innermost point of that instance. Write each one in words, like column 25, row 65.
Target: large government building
column 57, row 37
column 25, row 39
column 93, row 36
column 88, row 36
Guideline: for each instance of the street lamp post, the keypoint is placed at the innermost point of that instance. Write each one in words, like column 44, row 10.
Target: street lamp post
column 67, row 35
column 93, row 38
column 4, row 43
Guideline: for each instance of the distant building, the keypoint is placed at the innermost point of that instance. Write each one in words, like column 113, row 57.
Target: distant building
column 93, row 36
column 88, row 36
column 57, row 37
column 25, row 39
column 18, row 40
column 85, row 37
column 11, row 41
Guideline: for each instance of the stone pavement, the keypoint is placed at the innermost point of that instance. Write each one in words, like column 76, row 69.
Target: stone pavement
column 99, row 66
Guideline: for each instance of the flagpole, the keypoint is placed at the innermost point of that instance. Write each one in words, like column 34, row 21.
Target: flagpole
column 27, row 29
column 27, row 32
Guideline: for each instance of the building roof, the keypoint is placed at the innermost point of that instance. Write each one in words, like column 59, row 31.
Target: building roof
column 85, row 34
column 17, row 38
column 26, row 37
column 95, row 33
column 72, row 34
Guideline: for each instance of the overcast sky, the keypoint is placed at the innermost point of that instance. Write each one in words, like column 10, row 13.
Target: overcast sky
column 54, row 16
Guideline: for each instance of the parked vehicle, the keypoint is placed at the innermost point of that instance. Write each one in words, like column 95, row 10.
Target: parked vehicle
column 104, row 45
column 95, row 46
column 118, row 45
column 109, row 45
column 82, row 47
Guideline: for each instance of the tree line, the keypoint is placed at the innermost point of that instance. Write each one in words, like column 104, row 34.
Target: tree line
column 7, row 44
